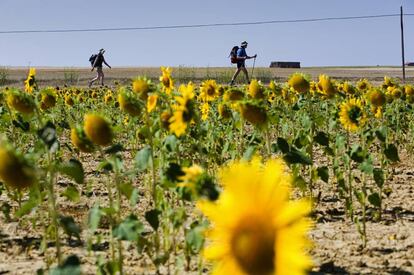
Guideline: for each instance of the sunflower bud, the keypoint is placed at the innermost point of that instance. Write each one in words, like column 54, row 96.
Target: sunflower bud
column 20, row 101
column 79, row 139
column 14, row 170
column 254, row 114
column 97, row 129
column 299, row 83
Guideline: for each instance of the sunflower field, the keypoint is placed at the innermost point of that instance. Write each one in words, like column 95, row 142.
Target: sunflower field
column 159, row 177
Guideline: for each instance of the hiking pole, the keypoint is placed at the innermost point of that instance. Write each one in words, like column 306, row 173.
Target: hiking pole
column 254, row 62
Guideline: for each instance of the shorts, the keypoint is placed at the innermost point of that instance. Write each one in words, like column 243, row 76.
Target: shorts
column 241, row 65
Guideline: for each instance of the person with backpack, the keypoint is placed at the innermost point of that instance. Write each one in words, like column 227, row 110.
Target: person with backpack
column 238, row 56
column 97, row 61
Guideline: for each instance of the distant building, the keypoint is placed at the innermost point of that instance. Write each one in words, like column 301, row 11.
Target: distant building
column 410, row 64
column 284, row 64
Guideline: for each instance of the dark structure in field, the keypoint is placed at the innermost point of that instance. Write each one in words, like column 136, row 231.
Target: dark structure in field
column 410, row 64
column 284, row 64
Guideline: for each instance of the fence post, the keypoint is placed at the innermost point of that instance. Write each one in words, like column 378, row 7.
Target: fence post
column 402, row 43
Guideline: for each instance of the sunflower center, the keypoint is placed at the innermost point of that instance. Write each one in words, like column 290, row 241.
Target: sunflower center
column 166, row 81
column 211, row 91
column 253, row 246
column 354, row 114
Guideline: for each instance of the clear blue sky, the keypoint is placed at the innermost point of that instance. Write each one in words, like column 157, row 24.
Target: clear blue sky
column 329, row 43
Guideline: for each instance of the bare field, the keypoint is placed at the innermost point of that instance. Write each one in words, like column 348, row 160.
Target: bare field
column 80, row 76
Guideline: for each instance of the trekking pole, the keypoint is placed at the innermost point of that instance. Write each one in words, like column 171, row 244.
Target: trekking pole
column 254, row 62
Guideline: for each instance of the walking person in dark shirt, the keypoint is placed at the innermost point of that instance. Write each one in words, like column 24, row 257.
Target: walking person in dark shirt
column 241, row 58
column 98, row 63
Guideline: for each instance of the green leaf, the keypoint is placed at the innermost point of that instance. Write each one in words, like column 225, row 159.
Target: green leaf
column 357, row 154
column 69, row 226
column 170, row 143
column 152, row 218
column 283, row 145
column 34, row 201
column 366, row 166
column 375, row 199
column 94, row 217
column 248, row 154
column 379, row 177
column 391, row 152
column 126, row 189
column 114, row 149
column 143, row 159
column 322, row 138
column 323, row 173
column 71, row 266
column 300, row 182
column 295, row 156
column 74, row 169
column 129, row 229
column 360, row 196
column 381, row 134
column 195, row 238
column 144, row 132
column 71, row 193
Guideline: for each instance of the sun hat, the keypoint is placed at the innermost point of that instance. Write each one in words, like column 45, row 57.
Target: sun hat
column 244, row 43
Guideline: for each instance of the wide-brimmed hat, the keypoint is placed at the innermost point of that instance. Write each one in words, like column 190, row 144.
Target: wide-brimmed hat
column 244, row 43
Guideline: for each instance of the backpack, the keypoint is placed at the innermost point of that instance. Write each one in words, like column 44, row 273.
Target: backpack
column 92, row 59
column 233, row 54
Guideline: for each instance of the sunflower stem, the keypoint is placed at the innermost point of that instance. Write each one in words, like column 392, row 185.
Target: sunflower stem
column 52, row 207
column 351, row 211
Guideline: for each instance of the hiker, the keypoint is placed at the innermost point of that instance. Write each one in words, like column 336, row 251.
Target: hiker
column 240, row 57
column 97, row 63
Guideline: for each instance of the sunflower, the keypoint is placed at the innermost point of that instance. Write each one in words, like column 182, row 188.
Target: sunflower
column 256, row 229
column 256, row 89
column 151, row 103
column 388, row 82
column 165, row 119
column 326, row 86
column 21, row 102
column 233, row 94
column 254, row 114
column 377, row 111
column 376, row 97
column 48, row 98
column 80, row 140
column 348, row 88
column 209, row 90
column 363, row 85
column 205, row 110
column 409, row 90
column 142, row 86
column 129, row 103
column 69, row 100
column 191, row 175
column 224, row 111
column 183, row 111
column 14, row 169
column 299, row 83
column 109, row 97
column 166, row 81
column 352, row 115
column 97, row 129
column 30, row 83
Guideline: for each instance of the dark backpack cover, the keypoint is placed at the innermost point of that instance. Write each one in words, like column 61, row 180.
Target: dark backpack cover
column 92, row 59
column 233, row 55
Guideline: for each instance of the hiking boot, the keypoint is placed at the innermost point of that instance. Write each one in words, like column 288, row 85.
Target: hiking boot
column 231, row 83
